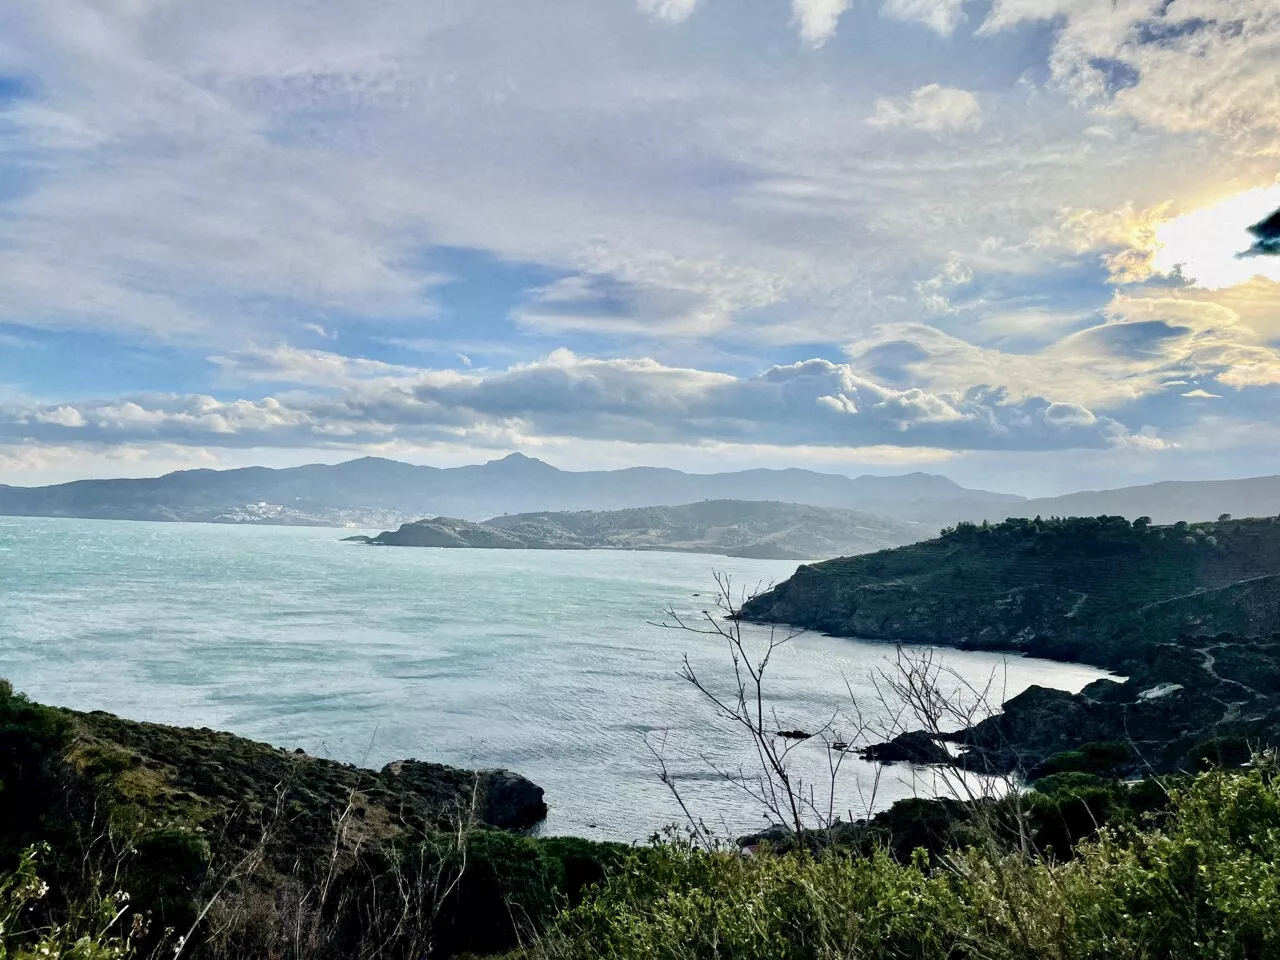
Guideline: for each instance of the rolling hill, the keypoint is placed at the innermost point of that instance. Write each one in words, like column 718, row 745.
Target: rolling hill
column 772, row 530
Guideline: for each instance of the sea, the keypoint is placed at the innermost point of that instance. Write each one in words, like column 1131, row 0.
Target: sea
column 555, row 664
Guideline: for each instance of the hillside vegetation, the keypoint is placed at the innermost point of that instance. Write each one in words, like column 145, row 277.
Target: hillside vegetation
column 260, row 852
column 1091, row 589
column 737, row 528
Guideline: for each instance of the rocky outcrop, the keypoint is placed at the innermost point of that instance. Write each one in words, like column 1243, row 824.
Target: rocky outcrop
column 1186, row 702
column 509, row 800
column 916, row 746
column 499, row 798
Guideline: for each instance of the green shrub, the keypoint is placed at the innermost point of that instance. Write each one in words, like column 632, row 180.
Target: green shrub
column 1200, row 883
column 85, row 931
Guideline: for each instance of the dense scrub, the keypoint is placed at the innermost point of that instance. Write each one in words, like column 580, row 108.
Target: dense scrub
column 1196, row 881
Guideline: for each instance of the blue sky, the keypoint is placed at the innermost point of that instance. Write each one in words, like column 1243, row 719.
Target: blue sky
column 996, row 239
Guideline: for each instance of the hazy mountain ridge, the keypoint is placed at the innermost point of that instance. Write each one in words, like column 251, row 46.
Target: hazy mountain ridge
column 767, row 530
column 376, row 492
column 1165, row 502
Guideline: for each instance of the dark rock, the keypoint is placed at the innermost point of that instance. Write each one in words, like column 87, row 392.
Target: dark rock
column 509, row 800
column 916, row 746
column 794, row 735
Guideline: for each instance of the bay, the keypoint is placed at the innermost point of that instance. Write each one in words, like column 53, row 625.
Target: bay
column 544, row 662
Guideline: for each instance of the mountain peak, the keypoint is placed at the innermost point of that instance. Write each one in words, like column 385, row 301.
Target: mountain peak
column 518, row 461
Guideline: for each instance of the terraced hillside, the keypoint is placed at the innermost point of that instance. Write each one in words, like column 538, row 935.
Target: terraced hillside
column 1095, row 590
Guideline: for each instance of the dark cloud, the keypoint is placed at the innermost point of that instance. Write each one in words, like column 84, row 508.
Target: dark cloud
column 1268, row 233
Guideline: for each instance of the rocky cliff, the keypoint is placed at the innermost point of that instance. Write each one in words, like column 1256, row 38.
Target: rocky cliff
column 1095, row 590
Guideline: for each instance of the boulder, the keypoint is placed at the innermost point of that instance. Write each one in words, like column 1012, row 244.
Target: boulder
column 509, row 800
column 917, row 746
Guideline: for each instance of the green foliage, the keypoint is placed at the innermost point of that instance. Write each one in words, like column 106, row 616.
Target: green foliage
column 513, row 885
column 1099, row 758
column 1200, row 883
column 1221, row 752
column 88, row 931
column 29, row 735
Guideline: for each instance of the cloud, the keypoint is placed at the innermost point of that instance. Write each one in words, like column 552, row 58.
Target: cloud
column 1190, row 66
column 1133, row 353
column 185, row 181
column 63, row 416
column 811, row 403
column 1203, row 394
column 943, row 16
column 294, row 366
column 817, row 19
column 673, row 11
column 1267, row 232
column 932, row 108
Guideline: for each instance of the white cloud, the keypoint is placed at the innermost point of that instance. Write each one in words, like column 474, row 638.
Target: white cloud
column 812, row 403
column 942, row 16
column 316, row 368
column 63, row 416
column 817, row 19
column 932, row 108
column 208, row 177
column 1189, row 66
column 1143, row 346
column 673, row 11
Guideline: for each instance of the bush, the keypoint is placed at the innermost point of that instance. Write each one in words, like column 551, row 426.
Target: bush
column 86, row 931
column 1199, row 883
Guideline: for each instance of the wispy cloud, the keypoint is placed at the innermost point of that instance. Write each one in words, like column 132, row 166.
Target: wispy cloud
column 245, row 182
column 932, row 108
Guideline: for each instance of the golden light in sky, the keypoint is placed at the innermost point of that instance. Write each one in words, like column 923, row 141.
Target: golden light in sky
column 1204, row 243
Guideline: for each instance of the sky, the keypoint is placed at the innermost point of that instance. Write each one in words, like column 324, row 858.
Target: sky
column 1003, row 240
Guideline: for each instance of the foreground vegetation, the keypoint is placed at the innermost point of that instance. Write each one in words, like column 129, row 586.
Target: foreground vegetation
column 103, row 858
column 1195, row 878
column 1195, row 881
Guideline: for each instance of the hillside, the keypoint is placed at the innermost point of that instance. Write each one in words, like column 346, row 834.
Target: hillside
column 784, row 531
column 372, row 492
column 1167, row 502
column 1096, row 590
column 272, row 847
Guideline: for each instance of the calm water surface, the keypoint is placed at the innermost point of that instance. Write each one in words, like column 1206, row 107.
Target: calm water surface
column 543, row 662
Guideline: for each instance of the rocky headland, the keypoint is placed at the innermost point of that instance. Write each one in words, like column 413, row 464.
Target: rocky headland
column 1189, row 614
column 737, row 528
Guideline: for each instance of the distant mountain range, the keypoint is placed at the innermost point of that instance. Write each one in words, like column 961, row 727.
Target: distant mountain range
column 1167, row 502
column 735, row 528
column 372, row 492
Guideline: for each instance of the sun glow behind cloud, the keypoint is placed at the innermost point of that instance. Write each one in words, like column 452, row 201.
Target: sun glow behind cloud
column 1205, row 245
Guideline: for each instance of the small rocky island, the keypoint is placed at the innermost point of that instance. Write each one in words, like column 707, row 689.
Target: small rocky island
column 735, row 528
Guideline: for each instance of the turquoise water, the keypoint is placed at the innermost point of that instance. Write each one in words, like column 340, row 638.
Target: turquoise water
column 543, row 662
